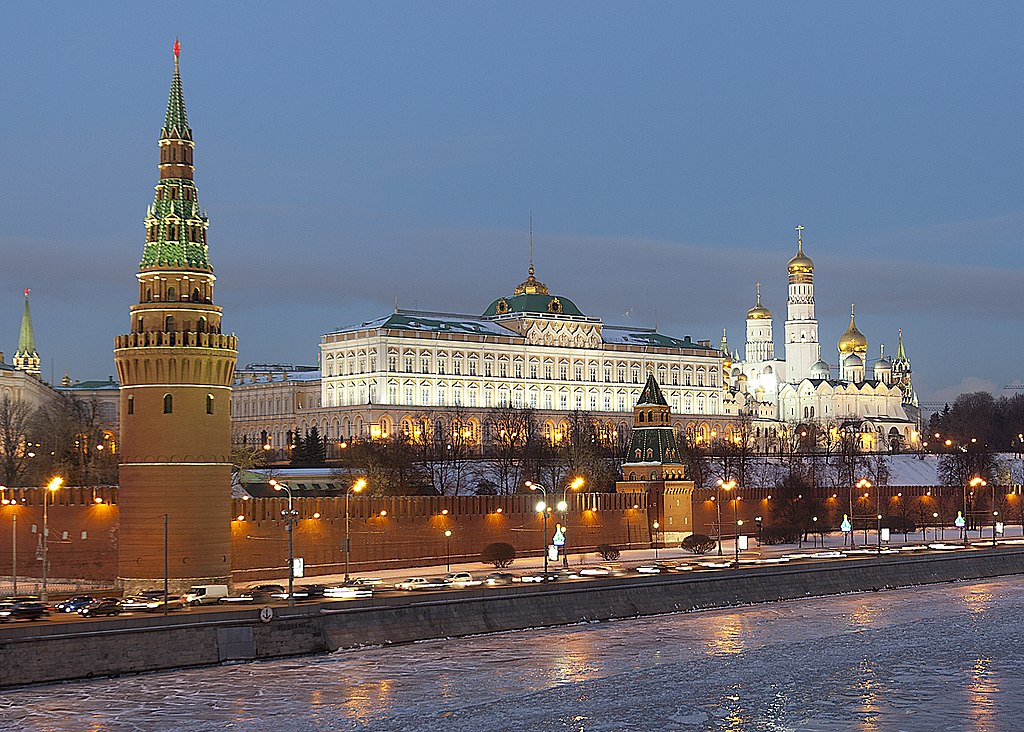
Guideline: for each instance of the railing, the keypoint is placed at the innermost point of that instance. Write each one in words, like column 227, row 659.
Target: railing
column 173, row 339
column 34, row 586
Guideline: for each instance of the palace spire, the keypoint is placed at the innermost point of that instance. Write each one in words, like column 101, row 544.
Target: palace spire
column 26, row 358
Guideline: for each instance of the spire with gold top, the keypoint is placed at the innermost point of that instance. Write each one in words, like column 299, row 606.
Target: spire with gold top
column 26, row 358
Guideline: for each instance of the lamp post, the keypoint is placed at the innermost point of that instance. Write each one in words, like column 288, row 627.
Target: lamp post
column 289, row 515
column 356, row 488
column 563, row 508
column 53, row 487
column 935, row 515
column 728, row 485
column 447, row 550
column 863, row 484
column 975, row 482
column 542, row 508
column 655, row 526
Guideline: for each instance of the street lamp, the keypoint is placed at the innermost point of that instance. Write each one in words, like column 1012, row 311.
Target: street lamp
column 53, row 487
column 356, row 488
column 289, row 519
column 975, row 482
column 728, row 486
column 563, row 508
column 935, row 515
column 542, row 508
column 448, row 550
column 862, row 484
column 655, row 526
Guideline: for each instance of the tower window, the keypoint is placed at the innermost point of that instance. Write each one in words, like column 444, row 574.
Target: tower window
column 169, row 323
column 195, row 294
column 209, row 403
column 168, row 404
column 201, row 326
column 171, row 294
column 131, row 405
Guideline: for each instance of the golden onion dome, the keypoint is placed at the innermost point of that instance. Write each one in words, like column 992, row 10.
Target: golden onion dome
column 801, row 263
column 853, row 341
column 759, row 311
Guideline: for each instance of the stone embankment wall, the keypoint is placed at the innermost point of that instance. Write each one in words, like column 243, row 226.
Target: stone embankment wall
column 59, row 651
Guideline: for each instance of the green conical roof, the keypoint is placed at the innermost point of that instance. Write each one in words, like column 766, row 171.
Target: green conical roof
column 27, row 337
column 652, row 393
column 176, row 121
column 175, row 223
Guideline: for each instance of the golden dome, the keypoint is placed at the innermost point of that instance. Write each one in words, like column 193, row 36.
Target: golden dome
column 759, row 311
column 801, row 263
column 853, row 341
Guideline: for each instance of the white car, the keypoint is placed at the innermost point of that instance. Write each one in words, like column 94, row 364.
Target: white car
column 461, row 579
column 413, row 583
column 348, row 592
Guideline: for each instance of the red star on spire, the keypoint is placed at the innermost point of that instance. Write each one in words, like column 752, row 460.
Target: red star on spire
column 26, row 292
column 177, row 48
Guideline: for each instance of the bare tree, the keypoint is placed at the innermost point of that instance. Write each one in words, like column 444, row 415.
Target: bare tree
column 15, row 437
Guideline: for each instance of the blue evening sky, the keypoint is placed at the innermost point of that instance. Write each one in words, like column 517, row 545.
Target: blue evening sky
column 353, row 153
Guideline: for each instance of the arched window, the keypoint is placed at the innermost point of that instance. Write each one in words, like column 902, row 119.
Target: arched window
column 195, row 295
column 640, row 416
column 149, row 294
column 209, row 403
column 201, row 325
column 131, row 405
column 168, row 404
column 171, row 294
column 169, row 323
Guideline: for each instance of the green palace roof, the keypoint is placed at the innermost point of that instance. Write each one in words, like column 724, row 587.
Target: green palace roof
column 532, row 303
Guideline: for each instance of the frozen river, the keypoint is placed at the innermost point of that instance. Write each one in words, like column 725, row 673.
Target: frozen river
column 946, row 657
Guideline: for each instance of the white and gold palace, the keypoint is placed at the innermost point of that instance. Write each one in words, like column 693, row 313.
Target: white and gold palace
column 411, row 371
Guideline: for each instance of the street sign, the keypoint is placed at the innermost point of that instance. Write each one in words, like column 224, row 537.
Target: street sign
column 299, row 567
column 266, row 613
column 742, row 539
column 559, row 538
column 552, row 552
column 999, row 527
column 39, row 549
column 959, row 521
column 846, row 526
column 885, row 534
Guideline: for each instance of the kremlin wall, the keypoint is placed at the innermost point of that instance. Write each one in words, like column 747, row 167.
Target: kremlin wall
column 396, row 532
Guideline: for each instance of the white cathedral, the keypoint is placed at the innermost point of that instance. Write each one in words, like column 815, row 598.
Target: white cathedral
column 817, row 401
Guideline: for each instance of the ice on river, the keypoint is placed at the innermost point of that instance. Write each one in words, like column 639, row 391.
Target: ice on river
column 941, row 657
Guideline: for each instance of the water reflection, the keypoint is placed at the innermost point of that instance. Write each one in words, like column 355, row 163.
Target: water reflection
column 728, row 636
column 917, row 660
column 982, row 689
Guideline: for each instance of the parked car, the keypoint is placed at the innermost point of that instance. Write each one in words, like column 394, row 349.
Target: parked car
column 73, row 604
column 500, row 578
column 102, row 606
column 12, row 609
column 205, row 594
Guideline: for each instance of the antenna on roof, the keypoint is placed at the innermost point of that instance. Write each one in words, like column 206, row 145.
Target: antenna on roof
column 396, row 298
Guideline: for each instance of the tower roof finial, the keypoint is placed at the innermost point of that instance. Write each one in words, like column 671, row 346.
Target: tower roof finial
column 759, row 294
column 800, row 238
column 531, row 244
column 176, row 121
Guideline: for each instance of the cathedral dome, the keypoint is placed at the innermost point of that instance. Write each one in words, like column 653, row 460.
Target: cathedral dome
column 801, row 264
column 852, row 360
column 852, row 341
column 759, row 312
column 820, row 370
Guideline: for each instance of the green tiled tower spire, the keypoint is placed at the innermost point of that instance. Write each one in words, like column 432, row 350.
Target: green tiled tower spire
column 26, row 358
column 175, row 223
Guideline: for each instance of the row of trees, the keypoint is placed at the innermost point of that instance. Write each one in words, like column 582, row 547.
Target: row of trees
column 997, row 423
column 64, row 438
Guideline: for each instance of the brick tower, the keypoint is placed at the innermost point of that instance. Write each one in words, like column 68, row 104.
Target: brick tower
column 176, row 369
